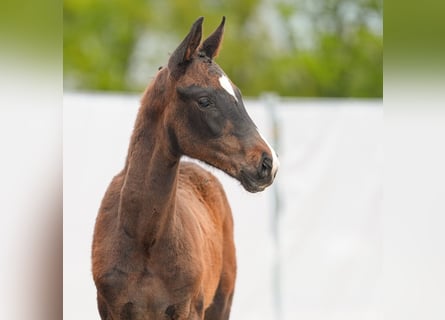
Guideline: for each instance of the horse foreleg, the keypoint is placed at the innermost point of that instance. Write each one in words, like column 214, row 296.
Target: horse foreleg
column 222, row 301
column 102, row 307
column 220, row 308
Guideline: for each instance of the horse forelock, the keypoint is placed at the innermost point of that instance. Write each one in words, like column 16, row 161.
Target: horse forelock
column 203, row 72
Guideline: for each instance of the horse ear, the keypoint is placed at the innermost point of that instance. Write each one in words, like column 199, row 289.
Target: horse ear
column 212, row 44
column 184, row 52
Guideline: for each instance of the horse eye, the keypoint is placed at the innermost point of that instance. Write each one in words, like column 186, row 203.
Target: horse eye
column 204, row 102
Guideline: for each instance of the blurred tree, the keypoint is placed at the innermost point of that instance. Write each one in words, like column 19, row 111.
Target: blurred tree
column 329, row 48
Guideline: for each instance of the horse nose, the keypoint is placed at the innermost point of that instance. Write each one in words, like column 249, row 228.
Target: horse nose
column 266, row 165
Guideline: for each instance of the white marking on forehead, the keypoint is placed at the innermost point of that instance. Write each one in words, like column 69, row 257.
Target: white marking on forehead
column 275, row 161
column 225, row 83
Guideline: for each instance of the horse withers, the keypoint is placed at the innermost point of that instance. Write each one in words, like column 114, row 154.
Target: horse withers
column 163, row 241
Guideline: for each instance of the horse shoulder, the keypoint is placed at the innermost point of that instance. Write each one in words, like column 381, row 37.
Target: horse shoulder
column 205, row 214
column 205, row 186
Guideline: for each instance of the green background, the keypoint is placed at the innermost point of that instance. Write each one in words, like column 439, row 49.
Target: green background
column 303, row 48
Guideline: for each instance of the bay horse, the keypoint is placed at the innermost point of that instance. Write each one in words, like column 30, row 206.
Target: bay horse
column 163, row 243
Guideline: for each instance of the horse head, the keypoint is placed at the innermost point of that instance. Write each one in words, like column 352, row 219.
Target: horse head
column 205, row 114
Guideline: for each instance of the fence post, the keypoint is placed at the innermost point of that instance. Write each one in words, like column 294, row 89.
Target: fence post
column 271, row 102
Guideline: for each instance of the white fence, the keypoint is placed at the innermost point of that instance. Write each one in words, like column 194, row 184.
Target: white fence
column 327, row 259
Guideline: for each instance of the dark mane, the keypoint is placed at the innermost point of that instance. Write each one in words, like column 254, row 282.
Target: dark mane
column 156, row 93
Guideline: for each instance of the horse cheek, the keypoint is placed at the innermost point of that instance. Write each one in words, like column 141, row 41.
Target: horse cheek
column 215, row 124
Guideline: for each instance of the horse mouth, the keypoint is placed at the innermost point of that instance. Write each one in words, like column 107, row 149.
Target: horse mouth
column 251, row 183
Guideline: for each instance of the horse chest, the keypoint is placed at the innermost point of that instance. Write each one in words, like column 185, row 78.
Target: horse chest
column 150, row 294
column 170, row 298
column 187, row 282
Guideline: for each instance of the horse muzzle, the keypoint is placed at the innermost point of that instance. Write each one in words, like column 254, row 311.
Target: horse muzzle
column 258, row 178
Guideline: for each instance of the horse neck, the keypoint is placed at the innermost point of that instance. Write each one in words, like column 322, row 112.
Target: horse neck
column 147, row 201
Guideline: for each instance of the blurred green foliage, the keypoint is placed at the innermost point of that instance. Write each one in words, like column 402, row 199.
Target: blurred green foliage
column 306, row 48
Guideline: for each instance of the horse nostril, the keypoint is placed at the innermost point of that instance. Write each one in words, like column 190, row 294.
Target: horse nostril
column 266, row 166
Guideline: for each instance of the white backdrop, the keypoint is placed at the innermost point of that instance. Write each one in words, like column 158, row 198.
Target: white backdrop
column 329, row 183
